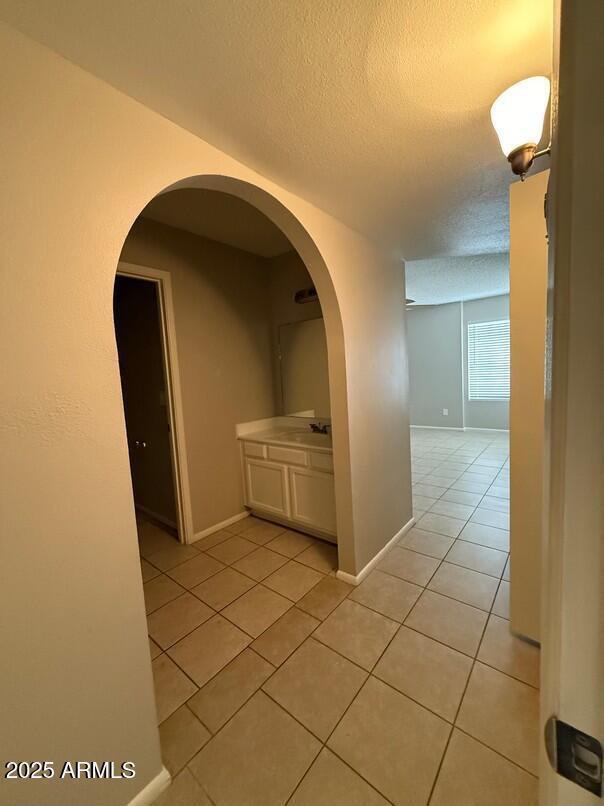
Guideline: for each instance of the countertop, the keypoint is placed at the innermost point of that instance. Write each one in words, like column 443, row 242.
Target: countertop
column 291, row 437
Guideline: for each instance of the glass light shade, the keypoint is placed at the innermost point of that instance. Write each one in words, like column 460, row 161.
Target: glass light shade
column 518, row 113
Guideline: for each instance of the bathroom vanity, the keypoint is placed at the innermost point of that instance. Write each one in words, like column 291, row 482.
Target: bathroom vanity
column 288, row 474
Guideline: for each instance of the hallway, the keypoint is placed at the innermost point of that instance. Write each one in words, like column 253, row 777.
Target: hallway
column 276, row 682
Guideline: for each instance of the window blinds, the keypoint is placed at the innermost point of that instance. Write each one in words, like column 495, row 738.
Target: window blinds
column 489, row 360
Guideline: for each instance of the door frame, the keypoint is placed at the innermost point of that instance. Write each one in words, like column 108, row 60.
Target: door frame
column 573, row 580
column 178, row 452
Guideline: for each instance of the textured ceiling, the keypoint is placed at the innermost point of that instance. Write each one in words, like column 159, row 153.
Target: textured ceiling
column 438, row 280
column 220, row 217
column 375, row 110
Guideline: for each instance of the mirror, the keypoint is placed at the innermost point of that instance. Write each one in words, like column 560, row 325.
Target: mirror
column 303, row 369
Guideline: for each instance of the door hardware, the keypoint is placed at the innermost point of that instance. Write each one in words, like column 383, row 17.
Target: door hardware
column 574, row 755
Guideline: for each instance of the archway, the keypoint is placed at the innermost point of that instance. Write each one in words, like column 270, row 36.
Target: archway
column 310, row 255
column 66, row 434
column 312, row 259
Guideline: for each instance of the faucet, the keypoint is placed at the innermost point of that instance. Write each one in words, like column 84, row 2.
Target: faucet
column 320, row 428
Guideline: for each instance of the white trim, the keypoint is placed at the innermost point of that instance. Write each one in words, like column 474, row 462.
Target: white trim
column 488, row 430
column 354, row 580
column 456, row 428
column 466, row 428
column 153, row 790
column 180, row 466
column 525, row 638
column 292, row 525
column 218, row 526
column 439, row 427
column 155, row 515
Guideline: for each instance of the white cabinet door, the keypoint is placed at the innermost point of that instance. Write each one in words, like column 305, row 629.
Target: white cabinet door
column 313, row 499
column 266, row 486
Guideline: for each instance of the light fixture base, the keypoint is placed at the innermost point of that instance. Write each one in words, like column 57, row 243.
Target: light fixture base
column 521, row 158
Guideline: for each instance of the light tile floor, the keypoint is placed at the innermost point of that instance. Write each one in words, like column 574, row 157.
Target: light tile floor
column 278, row 683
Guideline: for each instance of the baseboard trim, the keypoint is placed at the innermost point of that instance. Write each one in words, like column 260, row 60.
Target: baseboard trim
column 460, row 428
column 292, row 525
column 156, row 516
column 153, row 790
column 355, row 580
column 526, row 639
column 497, row 430
column 218, row 526
column 440, row 427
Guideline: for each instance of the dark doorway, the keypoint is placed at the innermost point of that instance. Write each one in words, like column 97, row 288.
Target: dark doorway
column 141, row 351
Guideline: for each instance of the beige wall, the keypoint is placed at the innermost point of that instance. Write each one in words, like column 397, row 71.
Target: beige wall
column 438, row 349
column 435, row 365
column 222, row 319
column 528, row 295
column 80, row 161
column 288, row 274
column 304, row 372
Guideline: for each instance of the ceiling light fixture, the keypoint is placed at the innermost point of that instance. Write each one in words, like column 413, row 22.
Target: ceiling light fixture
column 517, row 116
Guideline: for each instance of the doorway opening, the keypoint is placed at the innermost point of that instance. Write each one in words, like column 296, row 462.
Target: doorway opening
column 142, row 314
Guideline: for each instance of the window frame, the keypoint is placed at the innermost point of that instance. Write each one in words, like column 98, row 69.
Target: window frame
column 478, row 398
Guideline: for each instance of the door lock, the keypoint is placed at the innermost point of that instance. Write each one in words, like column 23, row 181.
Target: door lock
column 574, row 755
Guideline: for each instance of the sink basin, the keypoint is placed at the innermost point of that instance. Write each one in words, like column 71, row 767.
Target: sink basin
column 305, row 438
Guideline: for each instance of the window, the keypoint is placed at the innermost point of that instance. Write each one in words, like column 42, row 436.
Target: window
column 489, row 360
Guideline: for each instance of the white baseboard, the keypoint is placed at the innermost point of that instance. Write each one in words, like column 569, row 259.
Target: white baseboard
column 153, row 790
column 460, row 428
column 526, row 639
column 355, row 580
column 289, row 524
column 218, row 526
column 156, row 516
column 488, row 430
column 440, row 427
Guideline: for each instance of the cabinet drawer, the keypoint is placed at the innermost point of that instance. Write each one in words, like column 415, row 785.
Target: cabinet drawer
column 290, row 456
column 254, row 449
column 321, row 461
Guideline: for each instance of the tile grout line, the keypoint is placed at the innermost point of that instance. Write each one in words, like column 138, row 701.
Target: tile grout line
column 165, row 652
column 497, row 752
column 453, row 724
column 220, row 612
column 324, row 744
column 463, row 696
column 368, row 674
column 490, row 613
column 248, row 646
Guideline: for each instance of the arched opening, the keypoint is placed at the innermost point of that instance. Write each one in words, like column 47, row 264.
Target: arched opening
column 234, row 578
column 313, row 261
column 309, row 263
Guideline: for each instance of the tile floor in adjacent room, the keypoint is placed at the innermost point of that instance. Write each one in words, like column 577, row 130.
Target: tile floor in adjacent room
column 277, row 683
